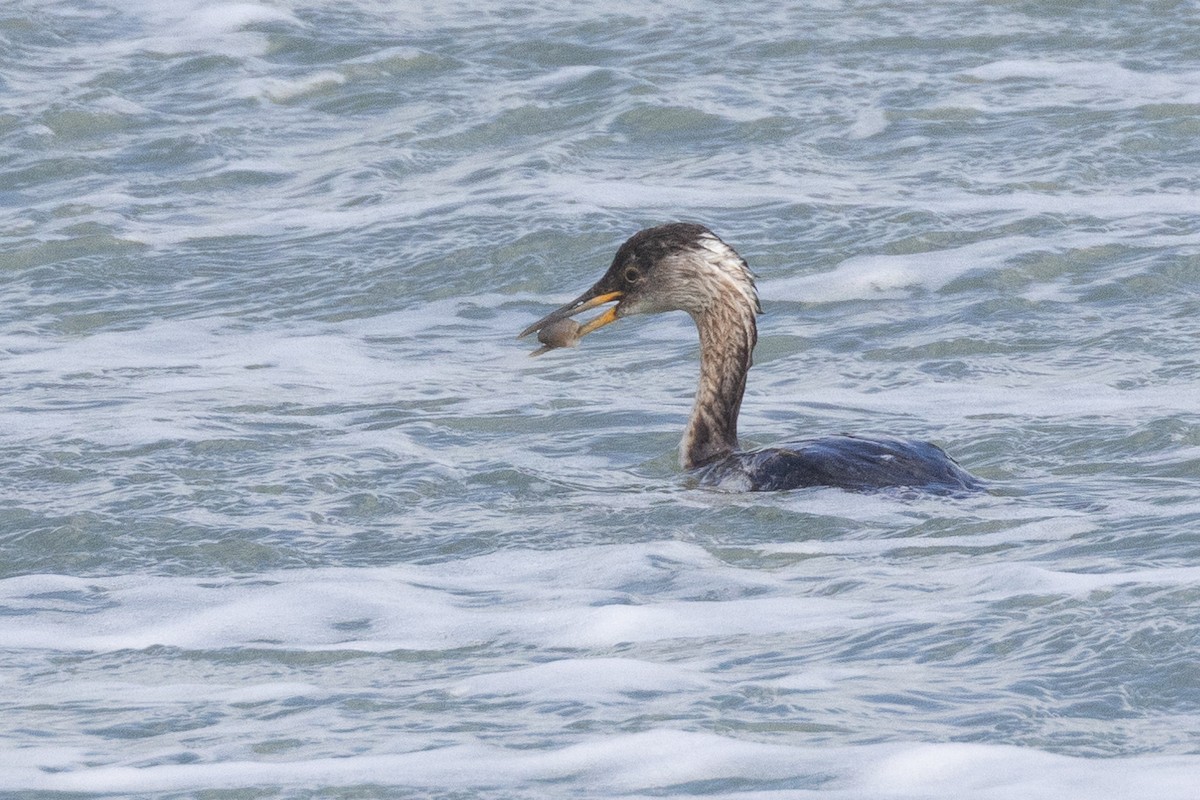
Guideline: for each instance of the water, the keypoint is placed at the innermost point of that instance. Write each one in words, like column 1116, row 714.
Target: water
column 288, row 512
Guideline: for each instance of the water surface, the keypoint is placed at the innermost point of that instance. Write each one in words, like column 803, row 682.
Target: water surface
column 289, row 512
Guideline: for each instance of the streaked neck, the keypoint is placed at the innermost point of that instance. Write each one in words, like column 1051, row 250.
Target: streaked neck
column 728, row 333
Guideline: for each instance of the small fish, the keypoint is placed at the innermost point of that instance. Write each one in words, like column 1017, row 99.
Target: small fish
column 563, row 333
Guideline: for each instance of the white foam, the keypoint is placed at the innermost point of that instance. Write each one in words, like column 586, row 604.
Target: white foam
column 585, row 680
column 1092, row 82
column 285, row 91
column 117, row 693
column 625, row 762
column 885, row 276
column 1013, row 579
column 570, row 599
column 989, row 771
column 1059, row 527
column 227, row 17
column 656, row 760
column 171, row 379
column 407, row 609
column 189, row 26
column 869, row 122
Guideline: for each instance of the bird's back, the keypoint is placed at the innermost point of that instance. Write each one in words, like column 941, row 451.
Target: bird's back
column 847, row 462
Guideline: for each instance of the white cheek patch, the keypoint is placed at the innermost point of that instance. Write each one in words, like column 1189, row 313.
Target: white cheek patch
column 731, row 267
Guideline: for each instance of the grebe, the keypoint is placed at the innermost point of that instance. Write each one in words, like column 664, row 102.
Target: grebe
column 686, row 267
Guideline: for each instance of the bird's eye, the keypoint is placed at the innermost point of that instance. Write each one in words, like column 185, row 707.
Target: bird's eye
column 632, row 275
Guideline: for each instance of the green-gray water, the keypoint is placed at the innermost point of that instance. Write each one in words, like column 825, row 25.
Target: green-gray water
column 287, row 511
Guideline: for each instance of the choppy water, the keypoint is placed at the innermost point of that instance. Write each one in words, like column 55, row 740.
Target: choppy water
column 288, row 512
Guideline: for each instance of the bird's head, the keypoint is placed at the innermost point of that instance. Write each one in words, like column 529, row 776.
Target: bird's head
column 680, row 266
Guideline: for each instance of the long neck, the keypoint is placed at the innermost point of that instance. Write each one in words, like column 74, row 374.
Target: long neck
column 728, row 334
